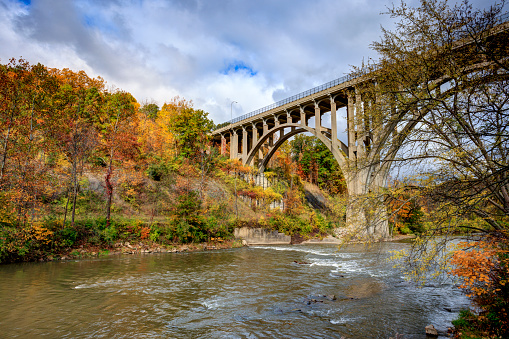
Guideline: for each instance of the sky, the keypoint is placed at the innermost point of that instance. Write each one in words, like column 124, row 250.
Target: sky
column 212, row 52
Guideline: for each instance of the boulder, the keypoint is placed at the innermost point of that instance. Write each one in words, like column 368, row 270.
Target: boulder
column 331, row 297
column 431, row 331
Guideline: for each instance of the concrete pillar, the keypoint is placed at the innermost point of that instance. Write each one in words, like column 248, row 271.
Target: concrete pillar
column 265, row 127
column 334, row 124
column 255, row 134
column 234, row 145
column 318, row 118
column 276, row 124
column 288, row 117
column 350, row 116
column 302, row 116
column 244, row 145
column 359, row 121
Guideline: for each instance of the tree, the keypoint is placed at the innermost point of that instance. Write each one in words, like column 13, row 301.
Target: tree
column 151, row 110
column 118, row 143
column 25, row 93
column 317, row 164
column 437, row 106
column 189, row 127
column 76, row 108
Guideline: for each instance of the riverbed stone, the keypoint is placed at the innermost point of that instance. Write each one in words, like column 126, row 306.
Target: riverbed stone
column 431, row 331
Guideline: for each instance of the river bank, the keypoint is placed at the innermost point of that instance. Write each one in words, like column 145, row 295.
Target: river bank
column 121, row 248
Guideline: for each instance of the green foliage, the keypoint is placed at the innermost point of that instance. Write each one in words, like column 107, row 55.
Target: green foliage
column 190, row 128
column 316, row 163
column 157, row 171
column 150, row 110
column 316, row 225
column 66, row 237
column 110, row 234
column 465, row 320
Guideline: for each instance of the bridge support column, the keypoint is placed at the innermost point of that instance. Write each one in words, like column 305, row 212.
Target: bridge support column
column 244, row 145
column 276, row 124
column 350, row 116
column 288, row 117
column 234, row 145
column 318, row 119
column 302, row 116
column 334, row 124
column 255, row 135
column 366, row 214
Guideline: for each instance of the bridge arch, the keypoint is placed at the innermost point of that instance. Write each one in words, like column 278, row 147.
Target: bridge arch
column 295, row 129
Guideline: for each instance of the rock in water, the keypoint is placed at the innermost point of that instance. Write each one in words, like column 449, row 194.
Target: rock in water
column 431, row 331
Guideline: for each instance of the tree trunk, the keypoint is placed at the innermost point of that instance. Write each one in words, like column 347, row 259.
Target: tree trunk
column 6, row 141
column 109, row 192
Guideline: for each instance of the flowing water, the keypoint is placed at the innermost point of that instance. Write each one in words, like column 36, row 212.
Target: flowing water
column 255, row 292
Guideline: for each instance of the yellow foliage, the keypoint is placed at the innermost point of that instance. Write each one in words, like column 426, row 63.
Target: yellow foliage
column 41, row 233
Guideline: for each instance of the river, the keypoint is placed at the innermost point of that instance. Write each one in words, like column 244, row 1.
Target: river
column 250, row 292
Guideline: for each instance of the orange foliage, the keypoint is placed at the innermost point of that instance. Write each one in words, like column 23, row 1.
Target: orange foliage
column 476, row 267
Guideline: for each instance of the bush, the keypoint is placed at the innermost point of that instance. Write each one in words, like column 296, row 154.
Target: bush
column 109, row 235
column 66, row 237
column 157, row 171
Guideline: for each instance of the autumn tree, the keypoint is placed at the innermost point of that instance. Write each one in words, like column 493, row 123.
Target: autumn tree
column 188, row 126
column 76, row 107
column 118, row 143
column 436, row 104
column 26, row 93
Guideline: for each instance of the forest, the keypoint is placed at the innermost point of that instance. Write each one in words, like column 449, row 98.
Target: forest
column 84, row 165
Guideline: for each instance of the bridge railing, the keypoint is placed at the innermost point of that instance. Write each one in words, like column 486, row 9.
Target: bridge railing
column 460, row 34
column 301, row 95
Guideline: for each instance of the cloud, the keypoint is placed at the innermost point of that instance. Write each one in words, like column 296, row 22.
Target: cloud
column 209, row 51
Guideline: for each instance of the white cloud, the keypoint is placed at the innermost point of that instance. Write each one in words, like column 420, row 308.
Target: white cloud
column 157, row 49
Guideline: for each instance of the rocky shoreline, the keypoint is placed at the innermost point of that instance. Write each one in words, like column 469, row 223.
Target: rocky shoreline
column 131, row 248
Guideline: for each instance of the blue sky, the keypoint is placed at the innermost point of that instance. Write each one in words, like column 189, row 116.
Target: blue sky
column 209, row 51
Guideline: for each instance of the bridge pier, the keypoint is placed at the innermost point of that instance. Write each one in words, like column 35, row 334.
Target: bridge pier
column 234, row 145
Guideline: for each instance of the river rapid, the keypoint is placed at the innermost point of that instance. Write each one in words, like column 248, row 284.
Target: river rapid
column 250, row 292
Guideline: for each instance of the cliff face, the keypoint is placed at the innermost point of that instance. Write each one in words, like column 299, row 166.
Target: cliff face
column 315, row 197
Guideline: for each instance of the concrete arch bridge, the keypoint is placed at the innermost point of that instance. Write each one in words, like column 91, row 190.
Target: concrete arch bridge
column 254, row 137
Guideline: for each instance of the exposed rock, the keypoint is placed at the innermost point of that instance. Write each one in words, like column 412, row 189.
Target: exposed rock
column 301, row 263
column 431, row 331
column 331, row 297
column 244, row 243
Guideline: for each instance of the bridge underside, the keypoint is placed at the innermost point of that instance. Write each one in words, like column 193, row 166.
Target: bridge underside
column 255, row 140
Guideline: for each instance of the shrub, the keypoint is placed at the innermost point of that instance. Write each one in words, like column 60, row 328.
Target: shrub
column 66, row 237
